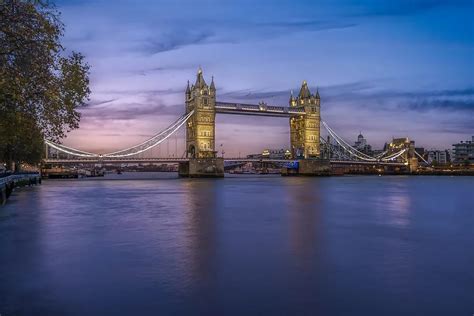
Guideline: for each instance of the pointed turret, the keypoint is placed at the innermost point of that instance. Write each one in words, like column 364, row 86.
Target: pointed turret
column 188, row 89
column 200, row 83
column 304, row 91
column 292, row 99
column 317, row 94
column 212, row 87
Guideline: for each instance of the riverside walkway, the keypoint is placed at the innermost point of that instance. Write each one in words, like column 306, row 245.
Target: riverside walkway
column 8, row 182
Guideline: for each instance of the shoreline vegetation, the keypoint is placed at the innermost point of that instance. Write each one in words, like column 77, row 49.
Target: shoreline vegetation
column 42, row 83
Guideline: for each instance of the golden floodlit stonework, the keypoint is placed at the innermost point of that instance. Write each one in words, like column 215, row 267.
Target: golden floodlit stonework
column 200, row 130
column 305, row 129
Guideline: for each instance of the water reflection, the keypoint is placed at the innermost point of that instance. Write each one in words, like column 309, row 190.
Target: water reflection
column 201, row 228
column 304, row 217
column 240, row 246
column 393, row 207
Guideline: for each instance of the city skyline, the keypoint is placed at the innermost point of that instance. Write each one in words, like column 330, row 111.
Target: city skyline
column 386, row 70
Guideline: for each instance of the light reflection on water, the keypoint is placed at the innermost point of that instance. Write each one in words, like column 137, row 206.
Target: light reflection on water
column 303, row 219
column 394, row 207
column 239, row 245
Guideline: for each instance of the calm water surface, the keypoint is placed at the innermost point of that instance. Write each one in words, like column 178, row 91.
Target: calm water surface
column 243, row 245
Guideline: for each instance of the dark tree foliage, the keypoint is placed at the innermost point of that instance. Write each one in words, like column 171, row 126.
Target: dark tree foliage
column 40, row 87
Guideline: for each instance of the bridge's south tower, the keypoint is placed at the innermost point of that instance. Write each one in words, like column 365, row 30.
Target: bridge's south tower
column 200, row 131
column 305, row 129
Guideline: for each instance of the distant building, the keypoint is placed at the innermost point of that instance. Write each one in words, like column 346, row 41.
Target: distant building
column 438, row 156
column 464, row 151
column 272, row 154
column 361, row 145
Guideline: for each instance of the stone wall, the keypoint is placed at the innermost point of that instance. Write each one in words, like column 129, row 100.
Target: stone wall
column 202, row 168
column 310, row 167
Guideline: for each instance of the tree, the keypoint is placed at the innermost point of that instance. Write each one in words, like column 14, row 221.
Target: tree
column 40, row 87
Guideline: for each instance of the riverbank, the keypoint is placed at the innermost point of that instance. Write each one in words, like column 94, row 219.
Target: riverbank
column 417, row 173
column 9, row 182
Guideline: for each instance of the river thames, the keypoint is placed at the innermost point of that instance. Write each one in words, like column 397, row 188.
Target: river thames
column 153, row 244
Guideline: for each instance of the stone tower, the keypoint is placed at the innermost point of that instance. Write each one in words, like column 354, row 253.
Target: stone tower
column 200, row 130
column 305, row 129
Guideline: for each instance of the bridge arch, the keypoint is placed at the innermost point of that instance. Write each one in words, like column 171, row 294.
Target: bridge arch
column 191, row 151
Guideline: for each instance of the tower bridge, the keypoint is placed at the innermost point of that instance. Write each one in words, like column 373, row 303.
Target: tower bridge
column 311, row 153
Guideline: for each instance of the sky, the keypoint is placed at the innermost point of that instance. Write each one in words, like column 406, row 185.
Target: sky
column 383, row 68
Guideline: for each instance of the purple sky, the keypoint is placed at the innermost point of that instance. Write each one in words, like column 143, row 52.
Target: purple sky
column 387, row 69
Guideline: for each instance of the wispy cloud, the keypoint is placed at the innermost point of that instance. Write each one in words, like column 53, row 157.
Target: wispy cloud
column 94, row 103
column 406, row 7
column 175, row 40
column 132, row 111
column 441, row 105
column 306, row 25
column 381, row 75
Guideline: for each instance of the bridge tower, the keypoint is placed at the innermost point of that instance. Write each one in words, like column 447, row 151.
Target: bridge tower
column 409, row 155
column 200, row 130
column 305, row 129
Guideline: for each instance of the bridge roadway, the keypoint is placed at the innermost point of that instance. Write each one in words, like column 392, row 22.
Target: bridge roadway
column 105, row 160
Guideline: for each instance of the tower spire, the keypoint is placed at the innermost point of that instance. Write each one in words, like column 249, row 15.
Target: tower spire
column 200, row 83
column 304, row 91
column 212, row 87
column 292, row 98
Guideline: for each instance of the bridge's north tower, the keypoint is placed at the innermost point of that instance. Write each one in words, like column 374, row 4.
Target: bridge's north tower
column 305, row 129
column 200, row 130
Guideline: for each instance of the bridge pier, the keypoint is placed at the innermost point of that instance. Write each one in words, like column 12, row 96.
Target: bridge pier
column 413, row 164
column 202, row 168
column 309, row 167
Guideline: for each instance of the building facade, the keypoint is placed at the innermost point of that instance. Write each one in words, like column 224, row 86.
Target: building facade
column 272, row 154
column 305, row 129
column 438, row 156
column 362, row 146
column 464, row 151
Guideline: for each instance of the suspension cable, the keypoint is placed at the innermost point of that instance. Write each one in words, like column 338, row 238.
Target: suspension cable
column 167, row 133
column 134, row 150
column 346, row 146
column 177, row 122
column 69, row 149
column 381, row 154
column 396, row 155
column 337, row 137
column 59, row 148
column 421, row 157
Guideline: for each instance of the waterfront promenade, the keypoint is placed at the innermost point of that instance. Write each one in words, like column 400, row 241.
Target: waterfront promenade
column 8, row 182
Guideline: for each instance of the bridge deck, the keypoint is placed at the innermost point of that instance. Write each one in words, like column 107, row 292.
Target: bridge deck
column 260, row 110
column 178, row 160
